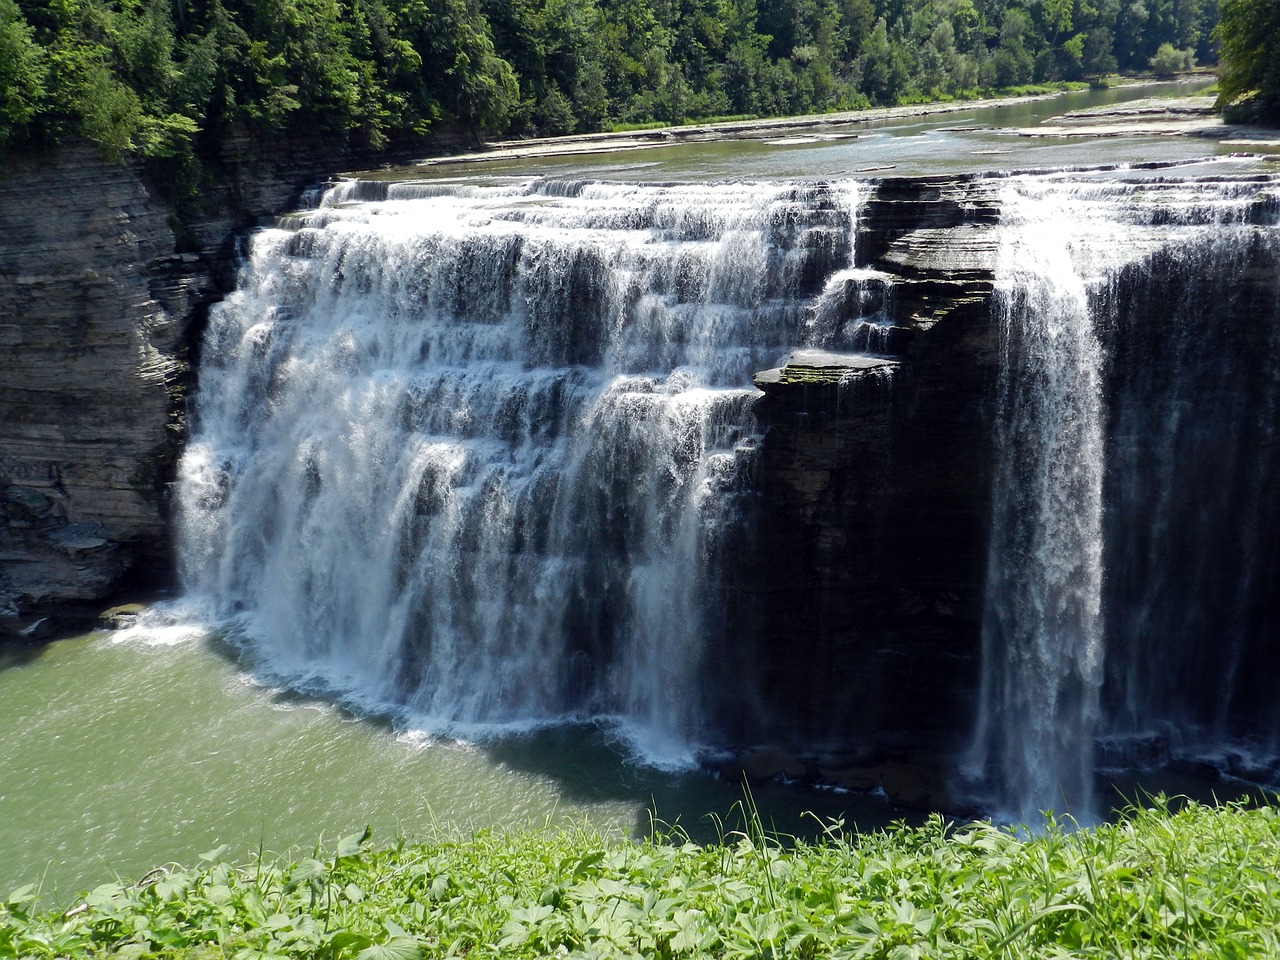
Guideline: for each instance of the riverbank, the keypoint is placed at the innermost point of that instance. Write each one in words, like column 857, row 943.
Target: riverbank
column 1199, row 882
column 1186, row 117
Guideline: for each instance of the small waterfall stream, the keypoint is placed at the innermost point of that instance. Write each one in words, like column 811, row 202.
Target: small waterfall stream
column 1130, row 575
column 462, row 451
column 1042, row 644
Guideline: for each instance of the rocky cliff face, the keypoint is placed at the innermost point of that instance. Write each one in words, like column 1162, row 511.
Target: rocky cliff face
column 95, row 304
column 100, row 304
column 869, row 525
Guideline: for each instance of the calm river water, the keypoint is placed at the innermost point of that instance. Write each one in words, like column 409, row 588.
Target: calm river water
column 119, row 752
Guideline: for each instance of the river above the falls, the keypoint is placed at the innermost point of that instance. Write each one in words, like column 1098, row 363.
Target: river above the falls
column 1120, row 126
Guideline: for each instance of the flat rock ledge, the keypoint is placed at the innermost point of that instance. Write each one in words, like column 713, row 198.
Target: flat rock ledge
column 818, row 380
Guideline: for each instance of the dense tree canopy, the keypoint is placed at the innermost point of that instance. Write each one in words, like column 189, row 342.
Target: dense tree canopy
column 1249, row 35
column 162, row 77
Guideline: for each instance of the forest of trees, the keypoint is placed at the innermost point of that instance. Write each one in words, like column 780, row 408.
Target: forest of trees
column 1250, row 76
column 170, row 77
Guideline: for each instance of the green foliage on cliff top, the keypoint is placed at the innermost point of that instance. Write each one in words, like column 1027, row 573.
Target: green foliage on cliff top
column 176, row 77
column 1197, row 883
column 1249, row 84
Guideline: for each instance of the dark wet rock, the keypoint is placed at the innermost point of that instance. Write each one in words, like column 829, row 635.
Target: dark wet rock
column 856, row 779
column 764, row 763
column 926, row 783
column 121, row 616
column 1139, row 751
column 860, row 581
column 1195, row 767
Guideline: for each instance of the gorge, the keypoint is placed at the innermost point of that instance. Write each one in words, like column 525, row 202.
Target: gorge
column 955, row 487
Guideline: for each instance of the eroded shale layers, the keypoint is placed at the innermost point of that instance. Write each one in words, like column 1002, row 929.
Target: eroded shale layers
column 93, row 305
column 959, row 488
column 99, row 300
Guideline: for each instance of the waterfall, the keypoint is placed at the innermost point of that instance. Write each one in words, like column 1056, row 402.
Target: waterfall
column 1041, row 641
column 461, row 450
column 1127, row 556
column 1193, row 561
column 476, row 453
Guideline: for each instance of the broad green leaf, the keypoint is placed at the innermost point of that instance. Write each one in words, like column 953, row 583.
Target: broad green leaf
column 397, row 948
column 104, row 894
column 587, row 862
column 350, row 846
column 346, row 942
column 169, row 887
column 690, row 936
column 309, row 869
column 216, row 854
column 531, row 915
column 22, row 895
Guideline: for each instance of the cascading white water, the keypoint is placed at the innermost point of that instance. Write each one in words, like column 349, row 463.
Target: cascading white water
column 461, row 450
column 1047, row 633
column 1191, row 485
column 853, row 314
column 1041, row 640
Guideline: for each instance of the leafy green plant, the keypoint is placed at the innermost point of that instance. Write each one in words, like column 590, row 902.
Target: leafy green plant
column 1160, row 883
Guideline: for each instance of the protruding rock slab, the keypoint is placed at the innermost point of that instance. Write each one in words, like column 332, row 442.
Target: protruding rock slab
column 822, row 366
column 818, row 380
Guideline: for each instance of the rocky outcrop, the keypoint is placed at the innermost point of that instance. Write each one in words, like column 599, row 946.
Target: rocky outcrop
column 103, row 288
column 95, row 301
column 862, row 586
column 856, row 602
column 822, row 380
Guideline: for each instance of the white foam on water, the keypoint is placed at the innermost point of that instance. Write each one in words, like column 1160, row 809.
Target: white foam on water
column 462, row 449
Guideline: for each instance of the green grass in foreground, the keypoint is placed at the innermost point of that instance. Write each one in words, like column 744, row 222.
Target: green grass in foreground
column 1201, row 882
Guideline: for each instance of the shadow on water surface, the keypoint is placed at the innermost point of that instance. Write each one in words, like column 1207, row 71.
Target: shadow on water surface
column 13, row 654
column 590, row 764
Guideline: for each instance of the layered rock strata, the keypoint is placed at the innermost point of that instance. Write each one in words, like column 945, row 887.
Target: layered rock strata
column 101, row 300
column 869, row 513
column 94, row 301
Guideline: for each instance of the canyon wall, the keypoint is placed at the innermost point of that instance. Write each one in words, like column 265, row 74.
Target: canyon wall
column 96, row 302
column 102, row 292
column 868, row 529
